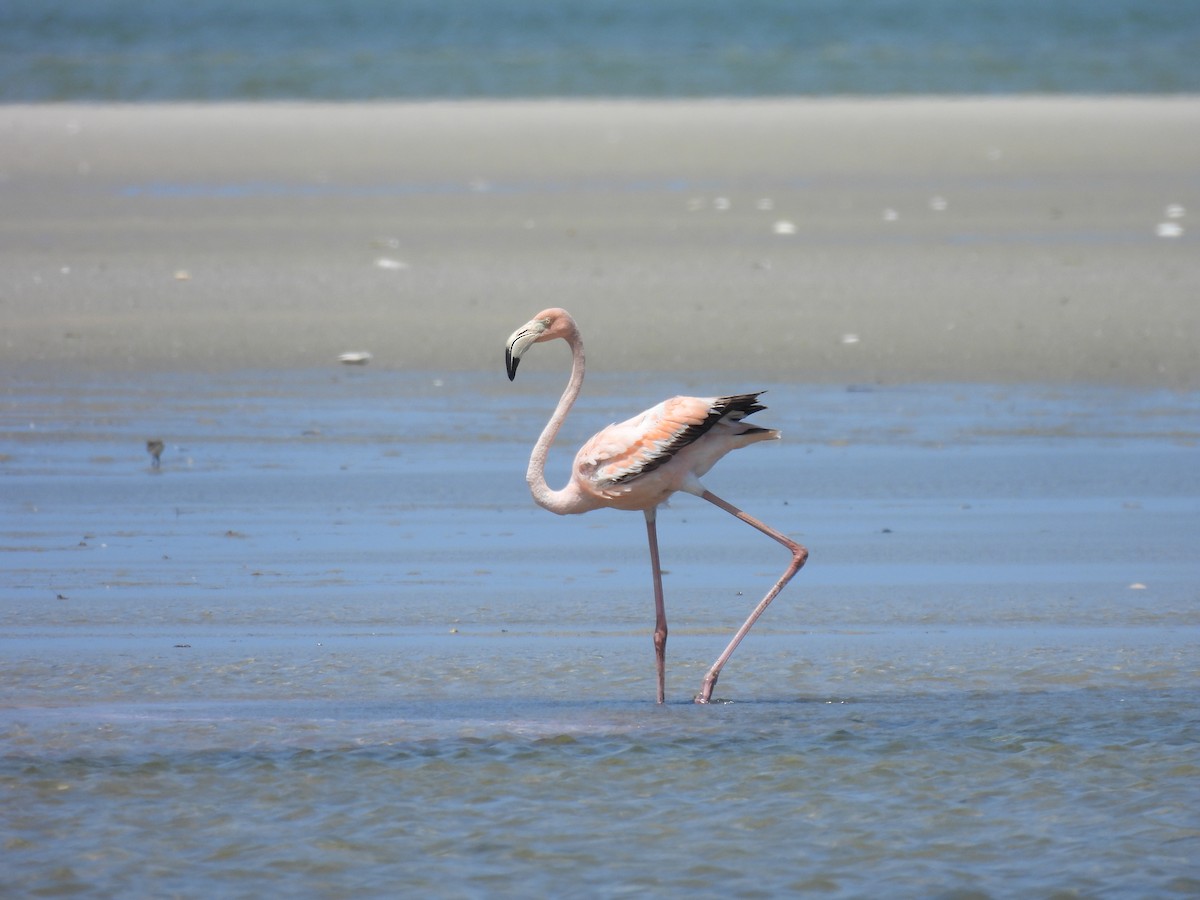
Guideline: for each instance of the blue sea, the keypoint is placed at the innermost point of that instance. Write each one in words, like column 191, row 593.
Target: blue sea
column 339, row 50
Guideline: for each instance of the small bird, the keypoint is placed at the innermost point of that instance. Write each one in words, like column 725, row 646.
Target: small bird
column 639, row 463
column 155, row 449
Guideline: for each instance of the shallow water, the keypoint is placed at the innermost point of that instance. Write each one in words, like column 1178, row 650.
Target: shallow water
column 331, row 646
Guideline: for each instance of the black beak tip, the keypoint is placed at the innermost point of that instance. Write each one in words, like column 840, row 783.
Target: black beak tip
column 511, row 363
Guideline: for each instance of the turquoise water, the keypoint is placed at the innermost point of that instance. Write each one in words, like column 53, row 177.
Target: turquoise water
column 171, row 50
column 331, row 648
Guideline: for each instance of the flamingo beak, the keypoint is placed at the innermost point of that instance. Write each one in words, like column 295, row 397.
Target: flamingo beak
column 518, row 343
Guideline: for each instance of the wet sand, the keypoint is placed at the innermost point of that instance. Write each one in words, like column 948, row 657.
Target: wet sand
column 992, row 240
column 332, row 642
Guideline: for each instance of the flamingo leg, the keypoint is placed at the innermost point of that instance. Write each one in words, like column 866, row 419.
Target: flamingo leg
column 799, row 555
column 660, row 610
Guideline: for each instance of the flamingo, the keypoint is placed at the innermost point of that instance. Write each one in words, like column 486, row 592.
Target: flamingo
column 639, row 463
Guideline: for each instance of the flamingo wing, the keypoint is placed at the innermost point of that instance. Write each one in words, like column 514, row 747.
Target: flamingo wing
column 627, row 450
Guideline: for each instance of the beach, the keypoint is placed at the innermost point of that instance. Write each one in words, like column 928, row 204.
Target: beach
column 327, row 645
column 979, row 240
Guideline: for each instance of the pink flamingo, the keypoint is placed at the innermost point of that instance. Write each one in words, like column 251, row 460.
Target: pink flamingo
column 639, row 463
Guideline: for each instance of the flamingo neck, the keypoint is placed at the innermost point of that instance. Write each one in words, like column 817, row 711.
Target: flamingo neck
column 569, row 499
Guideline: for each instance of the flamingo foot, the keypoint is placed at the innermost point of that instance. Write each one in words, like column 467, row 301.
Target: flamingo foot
column 706, row 689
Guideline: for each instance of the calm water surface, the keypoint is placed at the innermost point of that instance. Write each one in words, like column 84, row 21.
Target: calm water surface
column 332, row 648
column 166, row 50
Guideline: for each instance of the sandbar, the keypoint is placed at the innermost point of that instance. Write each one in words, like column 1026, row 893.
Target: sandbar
column 1031, row 239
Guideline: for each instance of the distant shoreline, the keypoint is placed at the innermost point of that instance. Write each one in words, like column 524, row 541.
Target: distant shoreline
column 982, row 239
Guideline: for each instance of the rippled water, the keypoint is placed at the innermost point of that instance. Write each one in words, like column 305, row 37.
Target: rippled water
column 332, row 648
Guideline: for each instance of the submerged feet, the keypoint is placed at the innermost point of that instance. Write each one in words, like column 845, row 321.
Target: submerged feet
column 706, row 689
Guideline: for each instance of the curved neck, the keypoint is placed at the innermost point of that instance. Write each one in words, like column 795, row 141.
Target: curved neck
column 569, row 499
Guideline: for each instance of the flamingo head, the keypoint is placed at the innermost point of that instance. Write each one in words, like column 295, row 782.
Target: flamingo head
column 545, row 326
